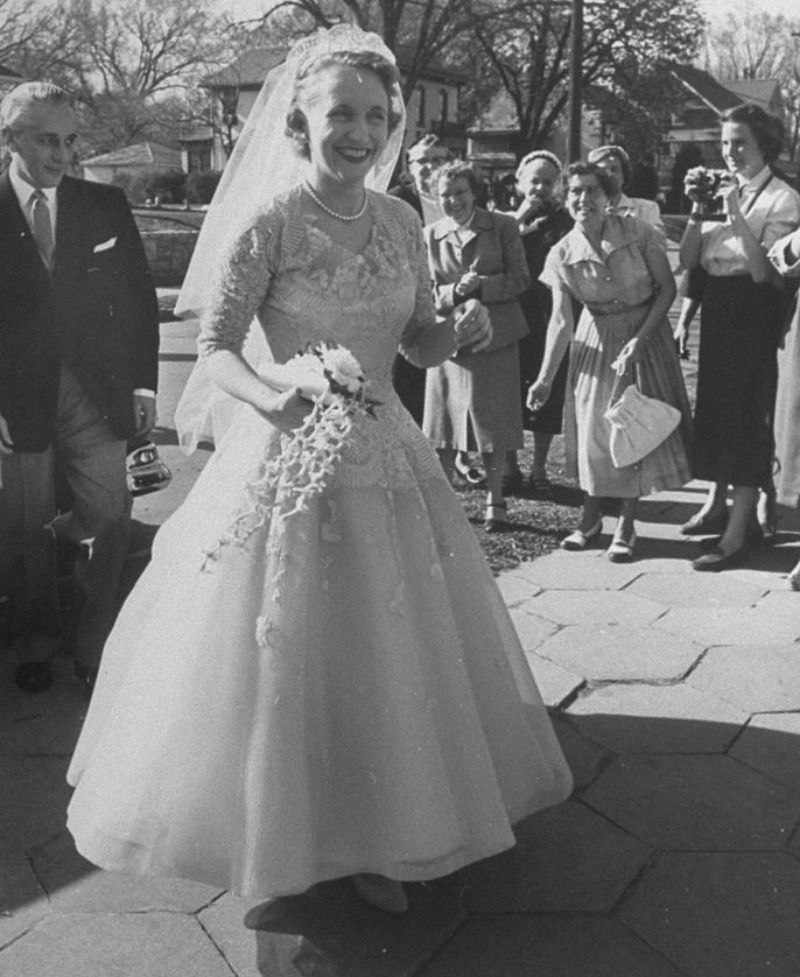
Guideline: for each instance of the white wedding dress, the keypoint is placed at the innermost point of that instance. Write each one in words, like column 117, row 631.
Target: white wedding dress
column 345, row 692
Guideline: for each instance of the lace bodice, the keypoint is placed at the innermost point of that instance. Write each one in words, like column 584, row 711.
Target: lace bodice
column 302, row 287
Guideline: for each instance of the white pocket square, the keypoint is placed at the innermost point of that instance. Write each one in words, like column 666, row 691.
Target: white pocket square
column 106, row 245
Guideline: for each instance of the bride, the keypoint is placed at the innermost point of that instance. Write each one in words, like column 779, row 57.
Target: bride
column 339, row 691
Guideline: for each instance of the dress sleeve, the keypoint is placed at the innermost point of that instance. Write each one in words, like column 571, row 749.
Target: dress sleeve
column 779, row 257
column 242, row 281
column 423, row 316
column 514, row 278
column 553, row 272
column 784, row 217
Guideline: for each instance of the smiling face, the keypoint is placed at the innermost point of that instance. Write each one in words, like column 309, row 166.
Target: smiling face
column 456, row 198
column 740, row 150
column 346, row 113
column 586, row 199
column 538, row 180
column 613, row 167
column 42, row 142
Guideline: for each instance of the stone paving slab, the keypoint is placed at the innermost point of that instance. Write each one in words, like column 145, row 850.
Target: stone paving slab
column 771, row 744
column 532, row 630
column 567, row 859
column 720, row 915
column 40, row 791
column 550, row 946
column 656, row 719
column 754, row 677
column 734, row 625
column 695, row 803
column 585, row 758
column 74, row 885
column 696, row 590
column 332, row 932
column 556, row 684
column 616, row 653
column 594, row 608
column 46, row 724
column 110, row 945
column 590, row 570
column 613, row 652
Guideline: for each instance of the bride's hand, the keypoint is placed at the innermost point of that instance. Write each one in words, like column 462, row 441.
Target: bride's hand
column 286, row 410
column 473, row 329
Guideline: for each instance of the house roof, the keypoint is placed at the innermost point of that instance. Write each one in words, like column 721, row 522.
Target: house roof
column 759, row 90
column 251, row 68
column 141, row 154
column 714, row 94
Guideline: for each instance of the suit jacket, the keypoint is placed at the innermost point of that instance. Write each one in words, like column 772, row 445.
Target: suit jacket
column 97, row 311
column 492, row 248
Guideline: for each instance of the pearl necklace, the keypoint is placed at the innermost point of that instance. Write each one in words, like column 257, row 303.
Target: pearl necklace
column 333, row 213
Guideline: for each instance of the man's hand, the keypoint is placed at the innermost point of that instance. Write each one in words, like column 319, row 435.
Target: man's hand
column 6, row 444
column 144, row 414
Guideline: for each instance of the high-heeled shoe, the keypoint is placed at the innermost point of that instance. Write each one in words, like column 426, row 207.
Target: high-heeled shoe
column 382, row 893
column 495, row 519
column 579, row 540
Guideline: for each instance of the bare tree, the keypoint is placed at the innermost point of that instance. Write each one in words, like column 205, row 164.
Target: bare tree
column 526, row 47
column 761, row 45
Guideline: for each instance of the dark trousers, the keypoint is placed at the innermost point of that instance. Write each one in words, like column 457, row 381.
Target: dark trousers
column 97, row 528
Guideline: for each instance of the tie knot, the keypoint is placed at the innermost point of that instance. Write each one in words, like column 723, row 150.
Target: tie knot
column 39, row 194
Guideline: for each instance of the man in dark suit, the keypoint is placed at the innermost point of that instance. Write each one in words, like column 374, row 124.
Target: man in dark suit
column 78, row 371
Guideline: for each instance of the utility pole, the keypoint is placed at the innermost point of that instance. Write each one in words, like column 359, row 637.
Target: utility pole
column 575, row 83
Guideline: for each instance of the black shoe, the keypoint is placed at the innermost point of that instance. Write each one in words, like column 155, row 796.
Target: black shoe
column 512, row 482
column 87, row 676
column 34, row 676
column 706, row 525
column 716, row 560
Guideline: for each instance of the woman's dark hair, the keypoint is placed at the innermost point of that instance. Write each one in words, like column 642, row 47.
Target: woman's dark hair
column 369, row 61
column 459, row 168
column 768, row 130
column 592, row 169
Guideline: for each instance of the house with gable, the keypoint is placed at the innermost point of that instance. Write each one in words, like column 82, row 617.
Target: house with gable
column 433, row 107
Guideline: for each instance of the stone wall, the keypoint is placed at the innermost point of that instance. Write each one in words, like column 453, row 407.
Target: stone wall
column 168, row 253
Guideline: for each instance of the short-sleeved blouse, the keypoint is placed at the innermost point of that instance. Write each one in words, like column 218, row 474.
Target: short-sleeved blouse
column 771, row 209
column 618, row 277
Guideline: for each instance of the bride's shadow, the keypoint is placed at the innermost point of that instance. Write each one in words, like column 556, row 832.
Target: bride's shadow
column 331, row 932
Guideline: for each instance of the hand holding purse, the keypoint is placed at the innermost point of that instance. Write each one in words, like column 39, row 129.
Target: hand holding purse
column 639, row 424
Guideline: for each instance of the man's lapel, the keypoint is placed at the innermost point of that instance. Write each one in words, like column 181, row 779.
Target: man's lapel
column 18, row 245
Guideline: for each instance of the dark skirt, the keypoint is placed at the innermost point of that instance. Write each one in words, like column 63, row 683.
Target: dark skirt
column 409, row 382
column 736, row 382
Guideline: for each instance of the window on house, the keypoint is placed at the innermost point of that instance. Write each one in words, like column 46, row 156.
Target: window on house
column 445, row 97
column 198, row 159
column 421, row 106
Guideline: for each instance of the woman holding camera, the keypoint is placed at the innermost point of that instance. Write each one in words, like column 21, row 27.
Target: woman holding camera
column 740, row 326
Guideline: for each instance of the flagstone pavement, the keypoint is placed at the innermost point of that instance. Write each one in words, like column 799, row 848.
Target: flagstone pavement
column 676, row 696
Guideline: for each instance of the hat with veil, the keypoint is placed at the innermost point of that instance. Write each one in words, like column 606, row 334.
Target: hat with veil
column 264, row 163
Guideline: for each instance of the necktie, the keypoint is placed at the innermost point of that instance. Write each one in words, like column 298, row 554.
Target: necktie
column 42, row 226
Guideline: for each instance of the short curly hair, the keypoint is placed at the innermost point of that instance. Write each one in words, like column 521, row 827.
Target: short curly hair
column 459, row 168
column 368, row 61
column 768, row 130
column 592, row 169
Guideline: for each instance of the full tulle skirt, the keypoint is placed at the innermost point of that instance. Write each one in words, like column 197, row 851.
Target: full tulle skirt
column 342, row 691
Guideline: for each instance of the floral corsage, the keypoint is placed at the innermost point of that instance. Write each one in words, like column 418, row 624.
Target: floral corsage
column 330, row 378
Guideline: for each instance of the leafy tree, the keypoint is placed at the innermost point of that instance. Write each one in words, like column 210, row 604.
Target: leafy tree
column 754, row 45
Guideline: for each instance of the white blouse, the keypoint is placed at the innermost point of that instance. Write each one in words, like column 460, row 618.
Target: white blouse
column 771, row 209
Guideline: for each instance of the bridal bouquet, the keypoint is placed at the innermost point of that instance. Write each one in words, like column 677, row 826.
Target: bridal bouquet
column 330, row 378
column 706, row 184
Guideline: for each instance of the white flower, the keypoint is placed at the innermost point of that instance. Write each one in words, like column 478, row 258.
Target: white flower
column 343, row 369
